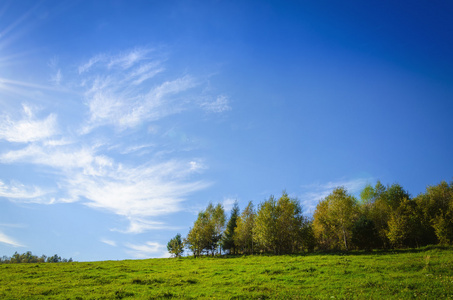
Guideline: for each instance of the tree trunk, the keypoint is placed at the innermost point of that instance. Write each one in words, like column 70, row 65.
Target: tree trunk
column 345, row 241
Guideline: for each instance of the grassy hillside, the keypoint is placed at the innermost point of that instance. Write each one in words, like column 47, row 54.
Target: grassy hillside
column 424, row 274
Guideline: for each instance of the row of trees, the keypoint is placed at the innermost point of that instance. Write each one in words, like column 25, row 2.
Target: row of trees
column 278, row 226
column 28, row 257
column 384, row 217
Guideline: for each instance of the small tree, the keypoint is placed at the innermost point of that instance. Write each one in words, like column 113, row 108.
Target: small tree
column 175, row 246
column 243, row 233
column 228, row 234
column 335, row 217
column 265, row 230
column 54, row 259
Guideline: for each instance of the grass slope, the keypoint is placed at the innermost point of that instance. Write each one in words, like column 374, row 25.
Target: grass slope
column 415, row 274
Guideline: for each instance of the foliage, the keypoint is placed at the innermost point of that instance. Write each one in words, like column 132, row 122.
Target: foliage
column 228, row 235
column 279, row 226
column 436, row 207
column 364, row 234
column 265, row 232
column 336, row 218
column 243, row 233
column 385, row 217
column 207, row 231
column 176, row 246
column 290, row 222
column 28, row 257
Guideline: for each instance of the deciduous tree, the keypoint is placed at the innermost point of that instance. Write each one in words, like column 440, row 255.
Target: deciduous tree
column 243, row 233
column 176, row 246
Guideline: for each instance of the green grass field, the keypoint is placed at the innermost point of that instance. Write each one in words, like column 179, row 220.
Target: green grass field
column 412, row 274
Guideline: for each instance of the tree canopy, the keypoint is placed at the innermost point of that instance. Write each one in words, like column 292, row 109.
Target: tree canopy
column 384, row 217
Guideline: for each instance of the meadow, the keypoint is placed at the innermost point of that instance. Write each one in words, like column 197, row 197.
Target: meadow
column 406, row 274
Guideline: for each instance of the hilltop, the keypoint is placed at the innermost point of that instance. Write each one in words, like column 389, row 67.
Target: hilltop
column 425, row 273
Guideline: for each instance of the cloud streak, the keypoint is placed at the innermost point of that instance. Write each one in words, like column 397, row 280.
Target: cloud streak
column 18, row 191
column 97, row 168
column 118, row 91
column 137, row 193
column 29, row 128
column 9, row 240
column 219, row 105
column 149, row 249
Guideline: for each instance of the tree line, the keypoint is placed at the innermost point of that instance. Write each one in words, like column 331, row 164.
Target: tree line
column 28, row 257
column 383, row 217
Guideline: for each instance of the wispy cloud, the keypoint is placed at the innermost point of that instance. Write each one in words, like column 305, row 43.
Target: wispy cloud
column 145, row 72
column 118, row 92
column 57, row 77
column 139, row 225
column 219, row 105
column 18, row 191
column 28, row 128
column 149, row 249
column 87, row 66
column 129, row 58
column 136, row 193
column 93, row 166
column 313, row 193
column 108, row 242
column 9, row 240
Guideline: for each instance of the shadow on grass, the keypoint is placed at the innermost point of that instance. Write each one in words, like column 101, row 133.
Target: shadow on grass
column 335, row 252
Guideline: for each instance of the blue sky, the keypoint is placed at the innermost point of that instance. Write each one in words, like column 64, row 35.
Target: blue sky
column 120, row 120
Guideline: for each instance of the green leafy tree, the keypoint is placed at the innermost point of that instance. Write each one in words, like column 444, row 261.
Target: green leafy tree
column 54, row 259
column 290, row 222
column 265, row 232
column 404, row 225
column 279, row 225
column 228, row 235
column 378, row 203
column 216, row 215
column 199, row 238
column 338, row 214
column 243, row 233
column 308, row 236
column 364, row 233
column 176, row 246
column 436, row 206
column 207, row 231
column 323, row 227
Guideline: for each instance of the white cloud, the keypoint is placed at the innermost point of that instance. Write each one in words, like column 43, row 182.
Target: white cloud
column 145, row 72
column 28, row 129
column 118, row 92
column 147, row 250
column 316, row 192
column 139, row 225
column 125, row 98
column 228, row 203
column 221, row 104
column 136, row 193
column 18, row 191
column 141, row 149
column 9, row 241
column 62, row 158
column 109, row 242
column 56, row 79
column 87, row 66
column 129, row 58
